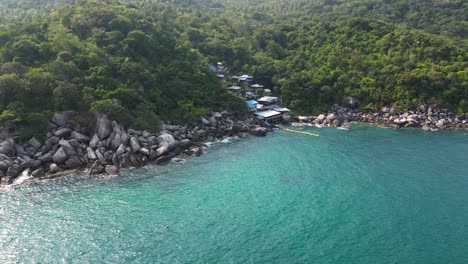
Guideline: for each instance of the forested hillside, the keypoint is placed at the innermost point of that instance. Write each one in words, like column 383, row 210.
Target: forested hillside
column 147, row 60
column 317, row 53
column 100, row 56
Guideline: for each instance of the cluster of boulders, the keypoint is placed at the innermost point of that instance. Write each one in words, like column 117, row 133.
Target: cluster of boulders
column 105, row 146
column 426, row 117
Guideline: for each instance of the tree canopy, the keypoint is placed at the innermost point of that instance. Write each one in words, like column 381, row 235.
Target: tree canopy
column 144, row 61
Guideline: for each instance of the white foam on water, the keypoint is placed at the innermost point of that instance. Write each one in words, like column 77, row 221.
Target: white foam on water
column 23, row 178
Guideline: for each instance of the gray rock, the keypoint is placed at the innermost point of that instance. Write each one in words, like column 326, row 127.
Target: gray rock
column 204, row 121
column 67, row 147
column 153, row 141
column 124, row 138
column 94, row 141
column 6, row 180
column 33, row 142
column 34, row 164
column 116, row 141
column 50, row 143
column 39, row 173
column 161, row 151
column 103, row 126
column 54, row 168
column 167, row 140
column 120, row 150
column 60, row 156
column 4, row 157
column 116, row 128
column 134, row 144
column 213, row 121
column 184, row 143
column 96, row 168
column 144, row 151
column 115, row 160
column 13, row 171
column 153, row 155
column 75, row 143
column 124, row 161
column 145, row 134
column 336, row 123
column 63, row 133
column 73, row 163
column 61, row 119
column 90, row 153
column 134, row 132
column 441, row 124
column 112, row 170
column 80, row 137
column 166, row 158
column 7, row 147
column 170, row 127
column 3, row 166
column 46, row 158
column 100, row 156
column 259, row 131
column 20, row 150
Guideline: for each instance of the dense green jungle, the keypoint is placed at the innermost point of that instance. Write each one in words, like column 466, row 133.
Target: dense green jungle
column 147, row 61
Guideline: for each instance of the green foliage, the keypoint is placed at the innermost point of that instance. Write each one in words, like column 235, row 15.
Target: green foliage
column 145, row 61
column 100, row 56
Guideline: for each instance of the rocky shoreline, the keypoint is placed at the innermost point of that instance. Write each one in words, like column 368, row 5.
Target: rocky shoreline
column 425, row 117
column 104, row 146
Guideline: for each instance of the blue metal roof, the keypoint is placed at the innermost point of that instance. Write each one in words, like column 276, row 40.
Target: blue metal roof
column 252, row 103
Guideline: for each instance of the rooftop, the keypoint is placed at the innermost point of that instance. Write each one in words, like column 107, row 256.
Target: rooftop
column 281, row 109
column 267, row 114
column 270, row 99
column 252, row 103
column 234, row 88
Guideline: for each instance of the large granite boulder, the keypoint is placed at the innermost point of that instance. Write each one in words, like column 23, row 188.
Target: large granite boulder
column 167, row 140
column 67, row 147
column 33, row 142
column 60, row 156
column 94, row 141
column 61, row 119
column 7, row 147
column 135, row 144
column 259, row 131
column 80, row 137
column 103, row 126
column 63, row 133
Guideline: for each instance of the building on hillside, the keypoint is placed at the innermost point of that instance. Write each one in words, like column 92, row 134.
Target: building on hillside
column 257, row 89
column 270, row 102
column 252, row 104
column 269, row 116
column 235, row 90
column 282, row 110
column 245, row 80
column 250, row 96
column 221, row 79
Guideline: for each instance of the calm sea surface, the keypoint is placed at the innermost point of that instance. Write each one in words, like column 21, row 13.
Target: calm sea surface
column 367, row 195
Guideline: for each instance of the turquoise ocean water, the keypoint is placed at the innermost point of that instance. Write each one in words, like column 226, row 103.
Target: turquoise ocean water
column 367, row 195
